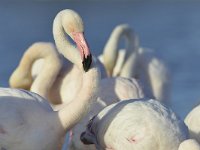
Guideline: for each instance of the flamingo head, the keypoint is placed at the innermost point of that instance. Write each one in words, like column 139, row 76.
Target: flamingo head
column 88, row 137
column 73, row 25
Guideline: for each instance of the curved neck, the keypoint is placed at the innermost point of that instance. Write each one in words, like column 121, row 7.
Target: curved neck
column 110, row 52
column 63, row 45
column 77, row 108
column 130, row 67
column 50, row 69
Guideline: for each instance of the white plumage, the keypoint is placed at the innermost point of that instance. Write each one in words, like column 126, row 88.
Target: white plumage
column 136, row 125
column 61, row 81
column 111, row 90
column 27, row 121
column 136, row 62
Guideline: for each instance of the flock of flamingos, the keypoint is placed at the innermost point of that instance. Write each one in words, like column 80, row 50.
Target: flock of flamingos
column 118, row 101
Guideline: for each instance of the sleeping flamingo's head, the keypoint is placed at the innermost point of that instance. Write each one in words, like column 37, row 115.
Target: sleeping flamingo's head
column 73, row 25
column 88, row 136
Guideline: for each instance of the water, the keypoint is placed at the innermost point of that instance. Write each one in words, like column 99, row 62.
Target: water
column 171, row 28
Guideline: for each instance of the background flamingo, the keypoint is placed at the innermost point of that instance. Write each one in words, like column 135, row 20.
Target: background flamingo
column 137, row 62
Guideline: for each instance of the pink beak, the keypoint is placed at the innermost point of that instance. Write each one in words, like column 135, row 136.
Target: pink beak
column 84, row 50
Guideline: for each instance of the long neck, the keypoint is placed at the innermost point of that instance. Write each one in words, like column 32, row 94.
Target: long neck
column 51, row 67
column 145, row 72
column 130, row 67
column 110, row 52
column 77, row 108
column 63, row 45
column 22, row 78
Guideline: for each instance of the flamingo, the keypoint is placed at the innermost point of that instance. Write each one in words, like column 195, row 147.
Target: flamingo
column 111, row 56
column 62, row 80
column 189, row 144
column 28, row 121
column 192, row 121
column 143, row 124
column 138, row 62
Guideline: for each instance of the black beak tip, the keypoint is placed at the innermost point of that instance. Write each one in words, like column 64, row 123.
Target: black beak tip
column 84, row 140
column 87, row 62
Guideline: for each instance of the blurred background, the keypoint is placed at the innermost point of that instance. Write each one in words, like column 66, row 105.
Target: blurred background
column 172, row 28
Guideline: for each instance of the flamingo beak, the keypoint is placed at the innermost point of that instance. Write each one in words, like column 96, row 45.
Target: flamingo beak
column 88, row 136
column 84, row 50
column 84, row 139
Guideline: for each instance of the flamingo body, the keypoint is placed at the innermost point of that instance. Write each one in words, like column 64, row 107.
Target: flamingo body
column 27, row 122
column 136, row 125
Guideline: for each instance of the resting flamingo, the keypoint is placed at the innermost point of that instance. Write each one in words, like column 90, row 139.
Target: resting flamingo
column 143, row 124
column 27, row 120
column 111, row 90
column 192, row 120
column 138, row 62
